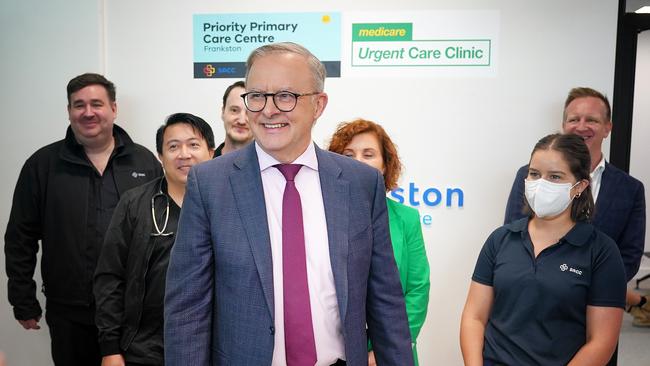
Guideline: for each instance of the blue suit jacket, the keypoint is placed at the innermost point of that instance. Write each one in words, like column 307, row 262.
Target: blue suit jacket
column 619, row 212
column 219, row 298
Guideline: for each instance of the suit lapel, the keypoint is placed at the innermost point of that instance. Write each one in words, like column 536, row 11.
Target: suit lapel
column 396, row 226
column 246, row 184
column 605, row 195
column 336, row 201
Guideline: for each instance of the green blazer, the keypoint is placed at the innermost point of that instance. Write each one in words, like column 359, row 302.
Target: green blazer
column 411, row 259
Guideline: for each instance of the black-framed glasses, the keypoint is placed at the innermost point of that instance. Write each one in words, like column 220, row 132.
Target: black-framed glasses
column 284, row 101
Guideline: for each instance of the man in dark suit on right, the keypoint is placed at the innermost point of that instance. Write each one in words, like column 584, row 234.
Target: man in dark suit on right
column 619, row 198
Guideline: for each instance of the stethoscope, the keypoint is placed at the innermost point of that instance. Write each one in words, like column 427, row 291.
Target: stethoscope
column 160, row 193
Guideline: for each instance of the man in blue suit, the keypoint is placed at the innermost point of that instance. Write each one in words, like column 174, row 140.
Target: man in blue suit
column 231, row 276
column 620, row 198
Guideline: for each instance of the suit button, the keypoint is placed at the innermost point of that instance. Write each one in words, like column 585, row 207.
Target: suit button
column 272, row 329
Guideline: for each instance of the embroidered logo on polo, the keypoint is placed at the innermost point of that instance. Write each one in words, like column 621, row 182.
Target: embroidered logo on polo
column 138, row 175
column 564, row 267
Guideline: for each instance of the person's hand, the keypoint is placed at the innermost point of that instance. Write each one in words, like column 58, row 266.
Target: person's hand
column 371, row 359
column 30, row 323
column 113, row 360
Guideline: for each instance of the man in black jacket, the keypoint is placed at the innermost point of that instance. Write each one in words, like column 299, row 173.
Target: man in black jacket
column 132, row 267
column 64, row 197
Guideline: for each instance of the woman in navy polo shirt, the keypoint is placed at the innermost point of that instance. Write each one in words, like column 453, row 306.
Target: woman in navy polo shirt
column 548, row 289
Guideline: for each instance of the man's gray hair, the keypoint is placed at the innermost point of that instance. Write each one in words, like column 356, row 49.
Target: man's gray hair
column 317, row 68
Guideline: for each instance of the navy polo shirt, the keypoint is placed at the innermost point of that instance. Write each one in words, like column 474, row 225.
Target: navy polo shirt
column 539, row 311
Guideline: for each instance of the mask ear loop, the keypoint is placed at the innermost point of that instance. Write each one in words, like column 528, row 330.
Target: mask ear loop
column 577, row 195
column 585, row 211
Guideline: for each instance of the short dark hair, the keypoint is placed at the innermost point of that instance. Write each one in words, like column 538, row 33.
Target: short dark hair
column 584, row 92
column 576, row 154
column 79, row 82
column 197, row 123
column 236, row 84
column 346, row 131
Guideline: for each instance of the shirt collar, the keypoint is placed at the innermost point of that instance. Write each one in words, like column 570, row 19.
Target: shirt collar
column 219, row 150
column 74, row 151
column 307, row 158
column 599, row 168
column 577, row 236
column 517, row 226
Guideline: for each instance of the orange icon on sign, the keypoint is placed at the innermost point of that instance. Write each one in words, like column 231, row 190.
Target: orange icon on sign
column 209, row 70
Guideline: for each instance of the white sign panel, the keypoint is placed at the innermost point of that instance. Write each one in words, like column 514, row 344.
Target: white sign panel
column 421, row 44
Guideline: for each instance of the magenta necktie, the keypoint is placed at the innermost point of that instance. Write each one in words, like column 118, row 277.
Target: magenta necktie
column 299, row 341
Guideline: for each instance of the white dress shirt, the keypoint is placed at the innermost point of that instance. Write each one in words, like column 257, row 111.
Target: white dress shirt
column 325, row 315
column 597, row 178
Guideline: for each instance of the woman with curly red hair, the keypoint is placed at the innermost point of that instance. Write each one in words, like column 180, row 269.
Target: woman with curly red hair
column 368, row 143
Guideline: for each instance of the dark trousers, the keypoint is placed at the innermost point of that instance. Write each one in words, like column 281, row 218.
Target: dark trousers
column 73, row 343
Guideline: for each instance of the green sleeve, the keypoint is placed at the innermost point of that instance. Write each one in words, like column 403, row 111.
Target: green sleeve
column 416, row 290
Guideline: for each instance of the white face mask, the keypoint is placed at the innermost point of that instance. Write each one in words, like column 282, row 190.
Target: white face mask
column 547, row 198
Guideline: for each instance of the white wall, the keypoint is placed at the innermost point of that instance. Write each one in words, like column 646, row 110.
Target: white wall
column 44, row 44
column 467, row 132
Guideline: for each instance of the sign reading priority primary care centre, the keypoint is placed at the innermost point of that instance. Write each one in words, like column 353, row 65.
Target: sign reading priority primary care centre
column 222, row 42
column 424, row 43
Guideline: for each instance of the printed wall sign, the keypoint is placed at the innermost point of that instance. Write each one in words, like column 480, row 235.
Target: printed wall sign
column 222, row 42
column 423, row 43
